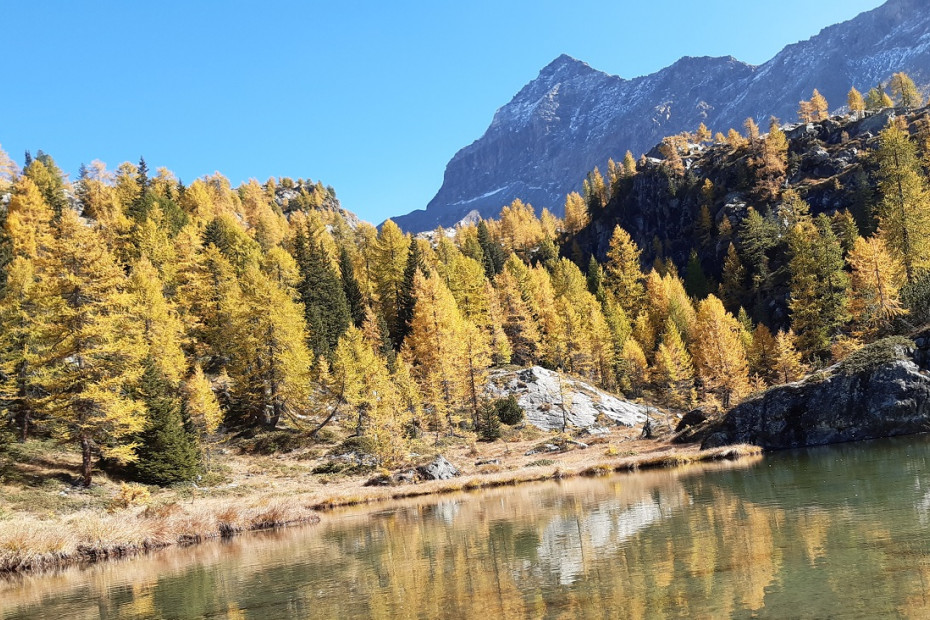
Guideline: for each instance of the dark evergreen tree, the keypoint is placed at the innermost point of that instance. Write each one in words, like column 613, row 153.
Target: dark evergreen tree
column 407, row 299
column 547, row 252
column 353, row 291
column 595, row 277
column 322, row 294
column 144, row 202
column 49, row 178
column 696, row 283
column 489, row 425
column 494, row 255
column 168, row 451
column 509, row 410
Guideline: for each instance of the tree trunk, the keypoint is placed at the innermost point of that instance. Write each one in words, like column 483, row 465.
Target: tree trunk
column 86, row 461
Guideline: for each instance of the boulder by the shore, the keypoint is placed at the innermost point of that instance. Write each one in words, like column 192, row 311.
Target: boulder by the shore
column 541, row 393
column 886, row 392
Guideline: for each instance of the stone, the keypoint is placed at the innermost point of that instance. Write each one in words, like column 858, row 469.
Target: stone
column 487, row 462
column 539, row 393
column 690, row 426
column 892, row 398
column 438, row 469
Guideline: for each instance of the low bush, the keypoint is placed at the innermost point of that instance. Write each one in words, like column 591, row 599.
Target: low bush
column 875, row 354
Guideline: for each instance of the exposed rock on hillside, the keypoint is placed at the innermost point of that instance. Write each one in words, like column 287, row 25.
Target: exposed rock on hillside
column 864, row 398
column 573, row 117
column 542, row 394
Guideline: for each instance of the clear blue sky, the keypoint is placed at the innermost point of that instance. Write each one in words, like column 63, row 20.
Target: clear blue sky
column 372, row 98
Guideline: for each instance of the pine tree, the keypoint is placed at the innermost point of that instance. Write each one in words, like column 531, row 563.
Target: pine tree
column 819, row 303
column 406, row 299
column 718, row 352
column 734, row 278
column 49, row 179
column 696, row 282
column 322, row 294
column 877, row 278
column 476, row 356
column 904, row 220
column 493, row 253
column 877, row 99
column 167, row 452
column 350, row 286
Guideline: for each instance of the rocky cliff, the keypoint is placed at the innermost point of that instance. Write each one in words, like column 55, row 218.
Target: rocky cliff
column 881, row 391
column 572, row 117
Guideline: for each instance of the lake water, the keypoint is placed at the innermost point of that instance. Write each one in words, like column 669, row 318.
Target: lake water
column 840, row 531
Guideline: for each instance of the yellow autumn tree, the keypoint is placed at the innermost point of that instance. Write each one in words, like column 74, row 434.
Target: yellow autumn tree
column 271, row 361
column 877, row 278
column 856, row 102
column 90, row 348
column 435, row 349
column 787, row 365
column 673, row 370
column 623, row 273
column 903, row 217
column 576, row 213
column 388, row 260
column 718, row 352
column 200, row 402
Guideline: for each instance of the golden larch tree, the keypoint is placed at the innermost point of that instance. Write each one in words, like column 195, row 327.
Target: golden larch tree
column 718, row 352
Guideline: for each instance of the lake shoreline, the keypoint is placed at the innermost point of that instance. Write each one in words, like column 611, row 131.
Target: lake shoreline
column 31, row 545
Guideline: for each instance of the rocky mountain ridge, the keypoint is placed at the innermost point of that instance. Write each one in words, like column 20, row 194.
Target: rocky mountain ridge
column 572, row 117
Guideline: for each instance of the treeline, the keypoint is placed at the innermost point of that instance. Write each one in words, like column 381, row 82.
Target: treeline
column 140, row 316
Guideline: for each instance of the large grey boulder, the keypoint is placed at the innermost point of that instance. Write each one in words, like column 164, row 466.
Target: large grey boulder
column 439, row 469
column 886, row 399
column 546, row 397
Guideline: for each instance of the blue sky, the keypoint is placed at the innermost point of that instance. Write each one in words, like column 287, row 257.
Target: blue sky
column 372, row 98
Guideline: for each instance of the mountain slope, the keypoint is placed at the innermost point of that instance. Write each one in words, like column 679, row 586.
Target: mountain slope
column 572, row 117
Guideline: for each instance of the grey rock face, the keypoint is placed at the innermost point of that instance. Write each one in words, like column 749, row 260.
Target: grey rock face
column 891, row 399
column 439, row 469
column 541, row 396
column 572, row 117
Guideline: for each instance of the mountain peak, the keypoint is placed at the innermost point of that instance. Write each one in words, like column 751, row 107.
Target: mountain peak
column 573, row 117
column 565, row 65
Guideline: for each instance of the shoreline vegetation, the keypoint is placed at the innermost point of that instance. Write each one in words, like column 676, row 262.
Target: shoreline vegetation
column 131, row 521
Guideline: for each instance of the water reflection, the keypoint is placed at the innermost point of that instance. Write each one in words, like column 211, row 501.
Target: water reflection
column 828, row 532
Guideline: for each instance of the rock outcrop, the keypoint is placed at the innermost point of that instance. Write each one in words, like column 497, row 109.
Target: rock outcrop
column 573, row 117
column 849, row 402
column 542, row 393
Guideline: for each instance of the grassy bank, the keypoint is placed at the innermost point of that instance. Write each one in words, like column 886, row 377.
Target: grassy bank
column 47, row 522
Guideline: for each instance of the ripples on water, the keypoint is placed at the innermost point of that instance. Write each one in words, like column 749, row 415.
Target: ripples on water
column 827, row 532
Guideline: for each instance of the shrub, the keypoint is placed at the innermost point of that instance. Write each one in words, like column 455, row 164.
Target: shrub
column 509, row 410
column 874, row 355
column 489, row 424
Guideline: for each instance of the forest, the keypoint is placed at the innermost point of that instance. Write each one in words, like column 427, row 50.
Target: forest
column 143, row 318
